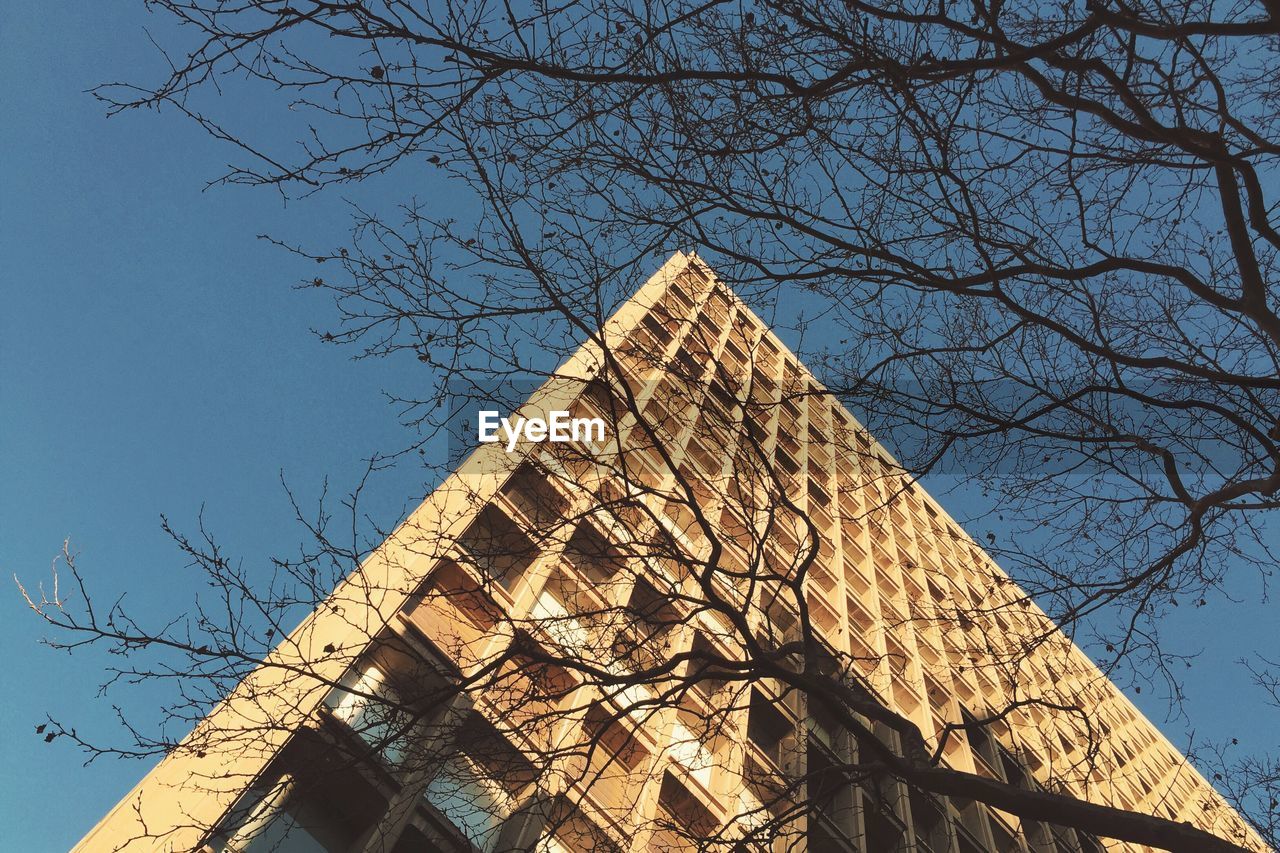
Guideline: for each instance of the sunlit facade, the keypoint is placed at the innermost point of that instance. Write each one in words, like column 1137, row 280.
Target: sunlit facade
column 539, row 757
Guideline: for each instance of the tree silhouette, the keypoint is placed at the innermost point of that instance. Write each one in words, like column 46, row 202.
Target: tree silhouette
column 1042, row 237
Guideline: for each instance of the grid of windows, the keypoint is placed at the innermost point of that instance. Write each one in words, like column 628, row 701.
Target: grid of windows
column 800, row 497
column 891, row 573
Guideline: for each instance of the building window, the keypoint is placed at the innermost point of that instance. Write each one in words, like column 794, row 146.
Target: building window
column 372, row 708
column 831, row 819
column 498, row 547
column 527, row 690
column 643, row 631
column 880, row 796
column 563, row 613
column 308, row 830
column 306, row 812
column 688, row 812
column 690, row 747
column 885, row 831
column 454, row 613
column 929, row 818
column 770, row 729
column 616, row 760
column 565, row 829
column 653, row 613
column 593, row 555
column 970, row 825
column 475, row 787
column 536, row 499
column 983, row 747
column 710, row 678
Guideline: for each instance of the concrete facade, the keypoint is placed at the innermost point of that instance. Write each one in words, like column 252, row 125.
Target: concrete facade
column 517, row 544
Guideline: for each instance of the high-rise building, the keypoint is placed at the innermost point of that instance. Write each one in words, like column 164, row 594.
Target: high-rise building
column 711, row 617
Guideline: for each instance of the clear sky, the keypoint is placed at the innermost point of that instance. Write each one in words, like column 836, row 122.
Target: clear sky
column 154, row 359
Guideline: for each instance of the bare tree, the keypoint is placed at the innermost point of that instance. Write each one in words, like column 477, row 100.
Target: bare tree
column 1042, row 236
column 1046, row 232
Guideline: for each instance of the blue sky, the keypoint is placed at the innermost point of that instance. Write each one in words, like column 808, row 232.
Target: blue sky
column 154, row 359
